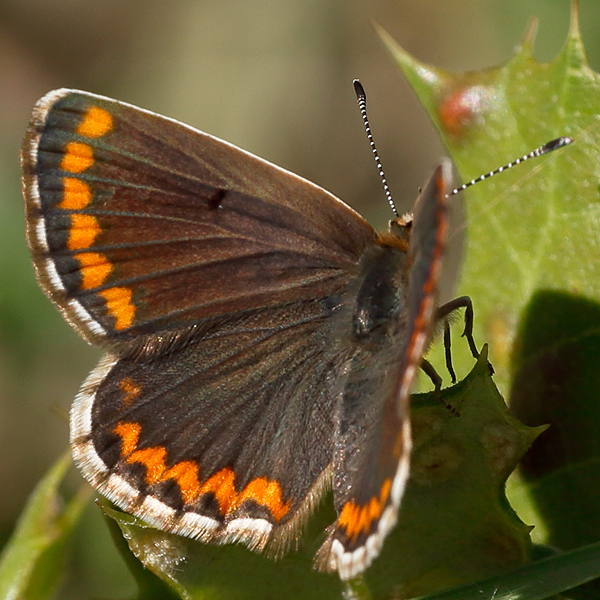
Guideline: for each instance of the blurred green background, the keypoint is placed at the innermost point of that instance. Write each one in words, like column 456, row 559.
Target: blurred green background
column 272, row 77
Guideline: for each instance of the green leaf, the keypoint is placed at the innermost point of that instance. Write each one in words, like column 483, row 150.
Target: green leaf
column 32, row 563
column 559, row 348
column 455, row 523
column 150, row 587
column 532, row 262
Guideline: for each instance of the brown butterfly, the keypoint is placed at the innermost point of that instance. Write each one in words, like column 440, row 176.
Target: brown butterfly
column 261, row 338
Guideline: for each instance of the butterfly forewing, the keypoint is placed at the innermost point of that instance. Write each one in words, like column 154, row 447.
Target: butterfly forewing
column 139, row 223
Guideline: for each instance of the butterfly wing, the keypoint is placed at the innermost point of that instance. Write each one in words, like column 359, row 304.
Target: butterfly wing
column 211, row 276
column 373, row 439
column 138, row 223
column 227, row 437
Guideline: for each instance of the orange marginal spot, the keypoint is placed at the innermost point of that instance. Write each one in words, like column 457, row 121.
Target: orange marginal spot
column 131, row 390
column 119, row 305
column 78, row 157
column 83, row 232
column 357, row 519
column 95, row 268
column 266, row 493
column 96, row 122
column 154, row 461
column 348, row 517
column 185, row 473
column 130, row 434
column 76, row 194
column 261, row 490
column 222, row 486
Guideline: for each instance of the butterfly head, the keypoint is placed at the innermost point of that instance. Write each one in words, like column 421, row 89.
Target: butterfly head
column 398, row 233
column 401, row 227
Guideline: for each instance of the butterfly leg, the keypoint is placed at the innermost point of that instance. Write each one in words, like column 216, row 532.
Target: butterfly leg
column 448, row 308
column 448, row 350
column 430, row 371
column 442, row 314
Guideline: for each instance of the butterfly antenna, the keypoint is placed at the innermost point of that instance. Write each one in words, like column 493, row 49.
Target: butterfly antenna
column 361, row 98
column 547, row 147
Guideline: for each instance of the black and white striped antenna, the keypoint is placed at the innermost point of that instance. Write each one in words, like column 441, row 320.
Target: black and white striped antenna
column 555, row 144
column 361, row 98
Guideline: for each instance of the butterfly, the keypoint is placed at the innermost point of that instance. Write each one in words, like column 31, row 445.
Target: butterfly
column 261, row 338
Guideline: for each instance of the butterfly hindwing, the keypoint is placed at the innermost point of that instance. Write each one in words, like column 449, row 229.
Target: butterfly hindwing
column 234, row 428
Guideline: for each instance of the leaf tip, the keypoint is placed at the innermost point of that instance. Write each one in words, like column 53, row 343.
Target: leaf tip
column 574, row 30
column 421, row 76
column 400, row 55
column 574, row 47
column 530, row 35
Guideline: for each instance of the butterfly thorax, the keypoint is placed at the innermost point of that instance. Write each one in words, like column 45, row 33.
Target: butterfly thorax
column 382, row 297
